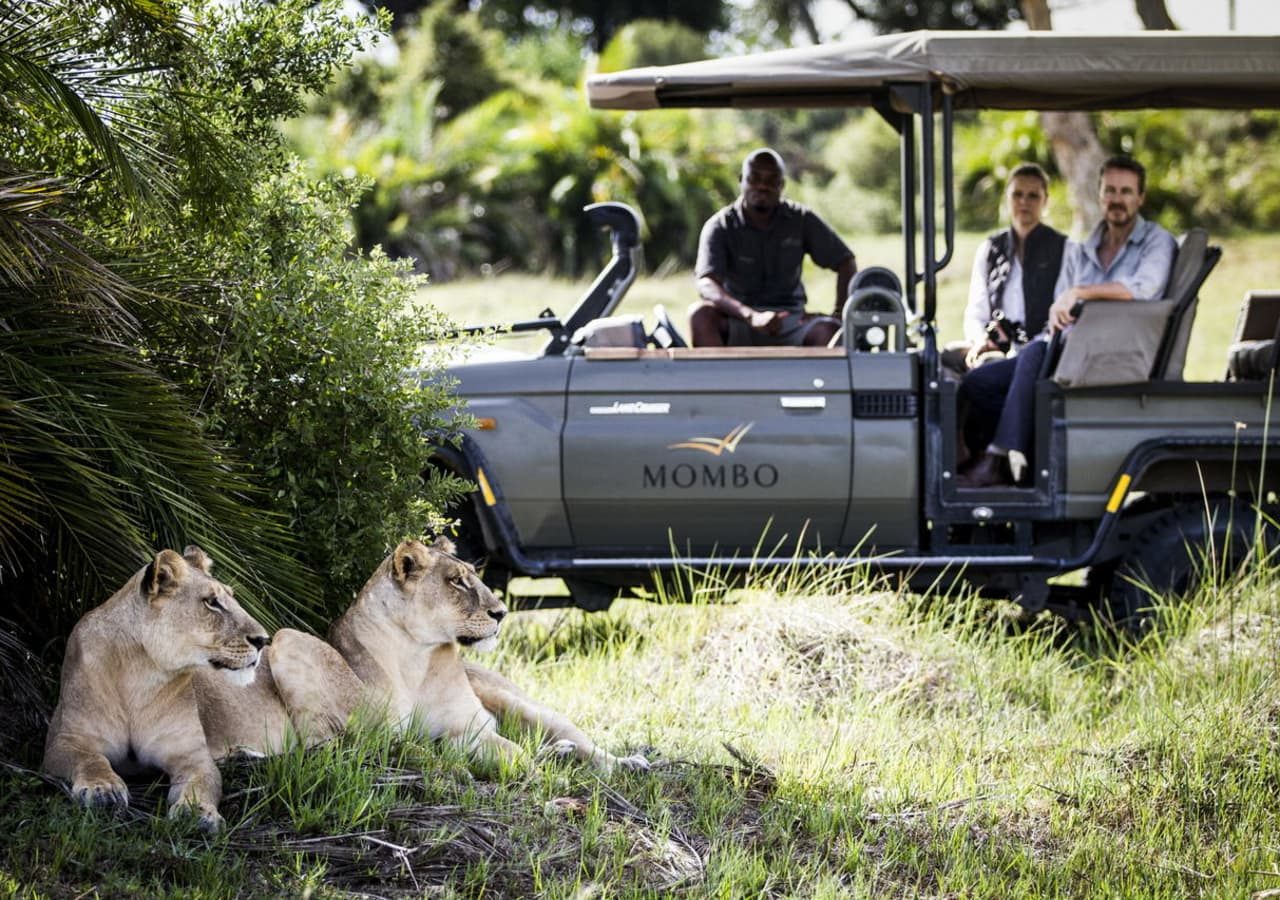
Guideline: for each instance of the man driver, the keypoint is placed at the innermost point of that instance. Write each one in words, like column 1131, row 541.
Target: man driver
column 750, row 256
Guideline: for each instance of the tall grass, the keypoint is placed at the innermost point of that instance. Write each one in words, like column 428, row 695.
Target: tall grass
column 813, row 734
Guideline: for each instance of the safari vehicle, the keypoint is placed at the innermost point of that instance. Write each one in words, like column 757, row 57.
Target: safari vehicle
column 617, row 455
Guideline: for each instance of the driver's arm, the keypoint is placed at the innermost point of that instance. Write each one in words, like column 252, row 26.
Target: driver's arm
column 712, row 291
column 844, row 274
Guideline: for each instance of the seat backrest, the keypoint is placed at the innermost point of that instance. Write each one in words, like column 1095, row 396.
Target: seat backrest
column 1259, row 316
column 1194, row 262
column 1128, row 343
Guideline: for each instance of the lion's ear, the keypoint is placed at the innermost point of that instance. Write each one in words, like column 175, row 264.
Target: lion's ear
column 444, row 545
column 163, row 574
column 198, row 558
column 410, row 560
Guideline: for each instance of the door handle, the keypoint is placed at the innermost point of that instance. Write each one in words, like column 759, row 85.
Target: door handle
column 803, row 402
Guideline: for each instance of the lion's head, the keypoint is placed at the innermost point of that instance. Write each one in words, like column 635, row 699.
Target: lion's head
column 437, row 598
column 189, row 618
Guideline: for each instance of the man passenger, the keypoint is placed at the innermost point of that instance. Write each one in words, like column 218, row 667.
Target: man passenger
column 1124, row 258
column 750, row 256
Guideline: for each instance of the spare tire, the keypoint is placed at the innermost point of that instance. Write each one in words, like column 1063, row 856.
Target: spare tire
column 1251, row 360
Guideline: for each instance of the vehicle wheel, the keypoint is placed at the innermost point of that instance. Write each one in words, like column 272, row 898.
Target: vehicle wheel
column 592, row 596
column 665, row 336
column 1174, row 554
column 468, row 539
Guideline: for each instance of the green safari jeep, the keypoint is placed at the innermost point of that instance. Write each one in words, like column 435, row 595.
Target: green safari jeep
column 618, row 455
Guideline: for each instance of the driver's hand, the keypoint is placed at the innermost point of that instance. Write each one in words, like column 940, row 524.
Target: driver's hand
column 768, row 320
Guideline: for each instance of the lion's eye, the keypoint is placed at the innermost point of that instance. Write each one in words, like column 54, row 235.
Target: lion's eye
column 458, row 581
column 213, row 604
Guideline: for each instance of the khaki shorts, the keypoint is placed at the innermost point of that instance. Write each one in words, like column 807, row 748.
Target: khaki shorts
column 792, row 334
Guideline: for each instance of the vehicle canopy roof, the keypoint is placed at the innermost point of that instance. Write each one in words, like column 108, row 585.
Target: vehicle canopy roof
column 984, row 70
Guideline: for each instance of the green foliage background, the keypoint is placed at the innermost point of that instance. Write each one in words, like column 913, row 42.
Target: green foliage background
column 501, row 183
column 192, row 350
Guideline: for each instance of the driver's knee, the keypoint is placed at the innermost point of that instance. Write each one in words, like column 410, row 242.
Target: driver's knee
column 820, row 333
column 706, row 325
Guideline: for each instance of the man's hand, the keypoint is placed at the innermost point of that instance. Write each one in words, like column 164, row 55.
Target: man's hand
column 1060, row 315
column 768, row 320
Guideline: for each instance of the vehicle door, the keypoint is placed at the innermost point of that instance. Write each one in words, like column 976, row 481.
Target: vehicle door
column 708, row 450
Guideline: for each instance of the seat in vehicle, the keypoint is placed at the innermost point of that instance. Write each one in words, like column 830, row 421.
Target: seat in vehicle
column 1127, row 343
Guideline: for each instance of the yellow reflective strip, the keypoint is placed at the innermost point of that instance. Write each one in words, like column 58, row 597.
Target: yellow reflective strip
column 485, row 490
column 1117, row 496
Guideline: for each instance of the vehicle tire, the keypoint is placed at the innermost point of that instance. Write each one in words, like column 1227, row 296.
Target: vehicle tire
column 591, row 596
column 1171, row 557
column 468, row 539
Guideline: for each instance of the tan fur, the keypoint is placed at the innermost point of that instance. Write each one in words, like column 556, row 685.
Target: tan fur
column 402, row 635
column 127, row 703
column 303, row 687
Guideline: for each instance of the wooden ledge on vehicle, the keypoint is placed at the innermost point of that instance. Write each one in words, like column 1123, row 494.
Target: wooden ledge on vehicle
column 617, row 353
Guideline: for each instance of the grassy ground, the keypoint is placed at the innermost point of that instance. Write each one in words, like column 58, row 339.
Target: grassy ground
column 811, row 738
column 820, row 738
column 1248, row 262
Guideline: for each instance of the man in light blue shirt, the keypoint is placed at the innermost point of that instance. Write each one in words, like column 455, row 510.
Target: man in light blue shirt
column 1125, row 258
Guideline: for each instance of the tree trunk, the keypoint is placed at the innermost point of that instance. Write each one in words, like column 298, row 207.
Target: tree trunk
column 1079, row 155
column 1154, row 15
column 1074, row 140
column 1036, row 14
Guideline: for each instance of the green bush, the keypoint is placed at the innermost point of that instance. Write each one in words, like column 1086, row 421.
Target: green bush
column 1206, row 168
column 453, row 50
column 316, row 377
column 651, row 42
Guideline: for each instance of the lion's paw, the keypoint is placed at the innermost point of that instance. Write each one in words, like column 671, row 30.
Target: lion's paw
column 109, row 792
column 635, row 763
column 564, row 748
column 208, row 819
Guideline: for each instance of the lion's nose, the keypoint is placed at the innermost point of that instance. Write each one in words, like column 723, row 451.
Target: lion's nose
column 498, row 614
column 259, row 640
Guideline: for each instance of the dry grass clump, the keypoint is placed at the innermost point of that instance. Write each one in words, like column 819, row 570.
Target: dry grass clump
column 820, row 650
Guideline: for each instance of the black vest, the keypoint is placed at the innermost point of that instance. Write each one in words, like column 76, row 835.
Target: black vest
column 1041, row 260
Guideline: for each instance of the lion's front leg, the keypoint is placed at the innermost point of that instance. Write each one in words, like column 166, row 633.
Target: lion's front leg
column 488, row 742
column 93, row 781
column 176, row 744
column 500, row 697
column 195, row 787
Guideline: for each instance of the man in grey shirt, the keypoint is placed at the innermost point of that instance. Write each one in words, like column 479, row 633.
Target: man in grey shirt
column 750, row 256
column 1125, row 258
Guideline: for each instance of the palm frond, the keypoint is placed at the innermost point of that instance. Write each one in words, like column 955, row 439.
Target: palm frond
column 40, row 249
column 103, row 465
column 56, row 64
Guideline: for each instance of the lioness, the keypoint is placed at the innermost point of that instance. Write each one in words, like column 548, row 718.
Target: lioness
column 401, row 638
column 126, row 702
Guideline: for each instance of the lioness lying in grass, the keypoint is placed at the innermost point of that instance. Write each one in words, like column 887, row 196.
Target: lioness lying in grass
column 402, row 637
column 401, row 640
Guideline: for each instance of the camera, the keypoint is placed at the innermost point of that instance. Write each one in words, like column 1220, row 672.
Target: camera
column 1005, row 332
